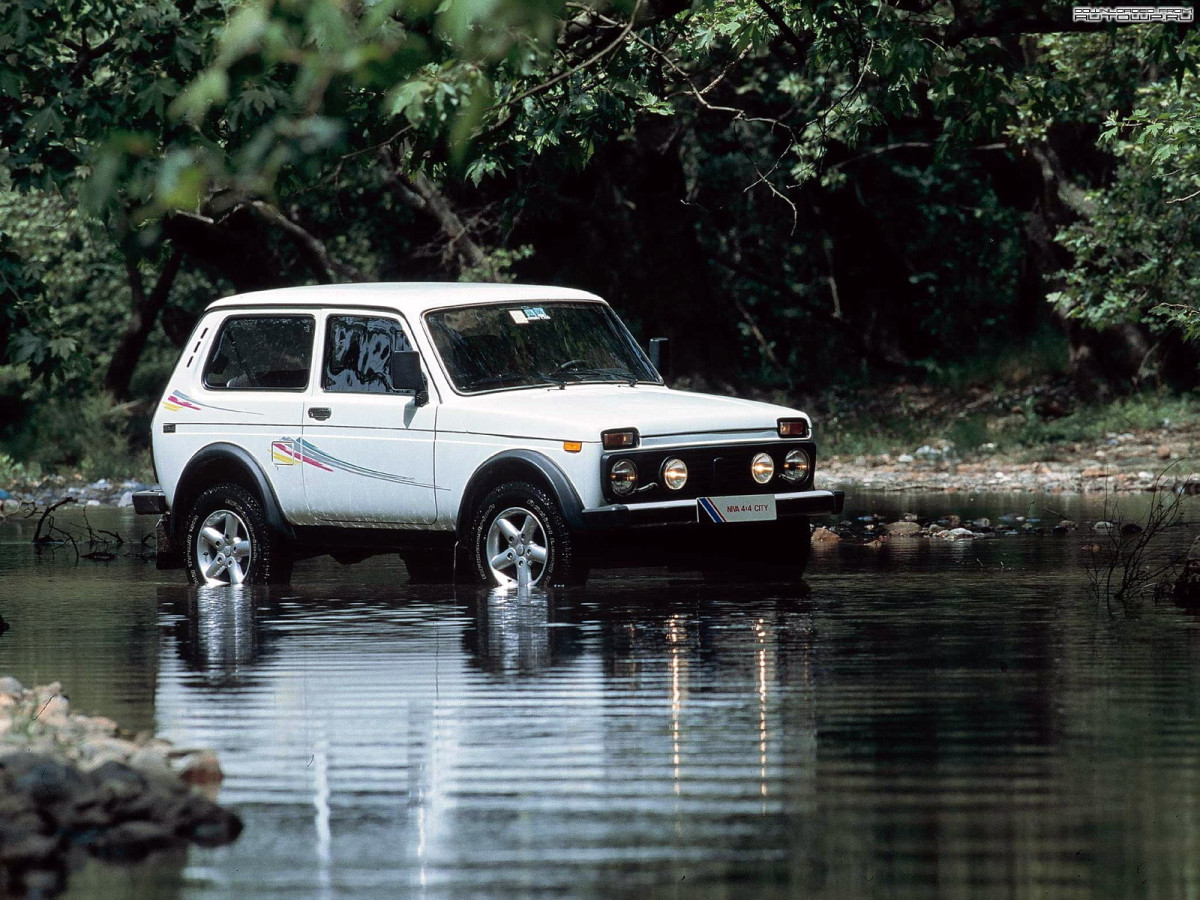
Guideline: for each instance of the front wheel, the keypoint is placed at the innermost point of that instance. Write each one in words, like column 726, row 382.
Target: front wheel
column 519, row 538
column 228, row 541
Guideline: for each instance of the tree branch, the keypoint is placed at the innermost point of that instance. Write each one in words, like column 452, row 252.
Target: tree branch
column 964, row 29
column 420, row 193
column 801, row 45
column 323, row 266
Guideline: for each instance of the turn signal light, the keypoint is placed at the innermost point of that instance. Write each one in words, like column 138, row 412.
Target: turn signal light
column 620, row 439
column 798, row 428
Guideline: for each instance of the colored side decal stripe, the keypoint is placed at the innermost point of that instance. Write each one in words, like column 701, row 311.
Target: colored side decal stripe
column 709, row 507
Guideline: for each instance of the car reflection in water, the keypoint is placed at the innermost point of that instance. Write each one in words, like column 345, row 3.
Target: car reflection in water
column 438, row 737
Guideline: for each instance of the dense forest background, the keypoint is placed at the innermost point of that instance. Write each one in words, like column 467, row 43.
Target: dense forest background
column 814, row 199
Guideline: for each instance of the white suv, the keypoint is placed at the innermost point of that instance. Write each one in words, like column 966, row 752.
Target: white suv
column 510, row 434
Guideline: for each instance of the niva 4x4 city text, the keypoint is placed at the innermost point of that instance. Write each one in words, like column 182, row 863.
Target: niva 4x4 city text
column 508, row 434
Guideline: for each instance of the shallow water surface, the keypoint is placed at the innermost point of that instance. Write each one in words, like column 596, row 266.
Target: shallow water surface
column 928, row 718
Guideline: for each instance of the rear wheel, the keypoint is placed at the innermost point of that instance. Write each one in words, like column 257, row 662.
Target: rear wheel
column 228, row 541
column 519, row 538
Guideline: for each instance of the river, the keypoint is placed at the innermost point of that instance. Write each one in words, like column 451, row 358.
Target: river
column 925, row 718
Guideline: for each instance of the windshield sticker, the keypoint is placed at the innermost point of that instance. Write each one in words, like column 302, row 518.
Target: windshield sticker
column 536, row 314
column 518, row 316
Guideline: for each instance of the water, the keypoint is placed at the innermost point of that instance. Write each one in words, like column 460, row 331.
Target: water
column 956, row 719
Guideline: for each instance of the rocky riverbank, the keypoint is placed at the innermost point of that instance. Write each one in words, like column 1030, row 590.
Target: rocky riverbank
column 48, row 491
column 74, row 786
column 1124, row 462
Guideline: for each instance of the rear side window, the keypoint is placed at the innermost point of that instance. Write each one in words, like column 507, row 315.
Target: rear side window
column 261, row 353
column 358, row 353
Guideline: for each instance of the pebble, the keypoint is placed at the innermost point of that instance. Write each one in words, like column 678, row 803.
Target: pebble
column 957, row 534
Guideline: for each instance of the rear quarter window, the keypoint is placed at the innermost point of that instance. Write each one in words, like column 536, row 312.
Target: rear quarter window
column 261, row 353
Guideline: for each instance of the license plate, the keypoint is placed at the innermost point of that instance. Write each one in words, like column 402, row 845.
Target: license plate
column 740, row 508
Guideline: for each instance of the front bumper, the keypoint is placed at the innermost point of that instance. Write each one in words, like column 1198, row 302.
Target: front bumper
column 681, row 512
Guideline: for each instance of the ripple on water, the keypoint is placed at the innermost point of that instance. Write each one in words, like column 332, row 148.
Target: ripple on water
column 929, row 718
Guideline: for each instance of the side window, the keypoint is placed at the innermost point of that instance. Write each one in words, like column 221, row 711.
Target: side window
column 358, row 353
column 270, row 353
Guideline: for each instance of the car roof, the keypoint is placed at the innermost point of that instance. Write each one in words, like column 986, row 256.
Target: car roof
column 412, row 297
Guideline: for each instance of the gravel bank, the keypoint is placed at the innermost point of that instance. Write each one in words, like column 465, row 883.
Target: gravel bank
column 1121, row 463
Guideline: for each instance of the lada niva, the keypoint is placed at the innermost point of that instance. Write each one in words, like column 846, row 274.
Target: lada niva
column 509, row 434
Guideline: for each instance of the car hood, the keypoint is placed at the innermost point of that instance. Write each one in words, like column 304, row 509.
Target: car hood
column 581, row 412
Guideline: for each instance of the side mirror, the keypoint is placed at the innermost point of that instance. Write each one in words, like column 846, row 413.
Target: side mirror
column 407, row 375
column 660, row 356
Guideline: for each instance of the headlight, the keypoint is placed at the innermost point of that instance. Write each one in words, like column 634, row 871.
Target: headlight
column 623, row 477
column 762, row 467
column 674, row 473
column 795, row 466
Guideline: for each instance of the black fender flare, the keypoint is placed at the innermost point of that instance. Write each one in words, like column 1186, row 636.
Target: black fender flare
column 510, row 464
column 224, row 455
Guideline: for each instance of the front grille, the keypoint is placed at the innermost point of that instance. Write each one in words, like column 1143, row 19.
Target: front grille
column 712, row 471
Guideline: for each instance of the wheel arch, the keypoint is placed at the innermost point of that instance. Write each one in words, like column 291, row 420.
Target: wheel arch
column 520, row 465
column 219, row 463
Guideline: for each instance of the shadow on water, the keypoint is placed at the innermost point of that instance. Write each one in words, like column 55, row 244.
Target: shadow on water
column 922, row 717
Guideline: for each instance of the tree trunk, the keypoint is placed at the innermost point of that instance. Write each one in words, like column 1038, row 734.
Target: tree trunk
column 146, row 307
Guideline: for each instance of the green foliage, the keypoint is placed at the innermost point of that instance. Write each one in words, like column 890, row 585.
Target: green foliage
column 90, row 435
column 14, row 473
column 1137, row 249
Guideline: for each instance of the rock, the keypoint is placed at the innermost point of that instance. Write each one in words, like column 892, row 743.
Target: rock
column 1103, row 527
column 957, row 534
column 982, row 523
column 1164, row 452
column 823, row 535
column 936, row 529
column 149, row 761
column 904, row 458
column 10, row 685
column 45, row 780
column 133, row 841
column 902, row 529
column 202, row 768
column 27, row 849
column 126, row 500
column 54, row 712
column 1066, row 525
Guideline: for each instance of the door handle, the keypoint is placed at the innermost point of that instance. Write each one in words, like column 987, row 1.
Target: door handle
column 320, row 413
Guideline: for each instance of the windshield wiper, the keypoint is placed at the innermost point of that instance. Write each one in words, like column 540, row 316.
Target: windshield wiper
column 582, row 372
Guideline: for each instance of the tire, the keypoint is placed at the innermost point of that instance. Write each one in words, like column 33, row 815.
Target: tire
column 519, row 537
column 228, row 541
column 762, row 553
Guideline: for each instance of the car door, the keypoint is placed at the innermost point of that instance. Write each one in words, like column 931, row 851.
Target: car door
column 367, row 448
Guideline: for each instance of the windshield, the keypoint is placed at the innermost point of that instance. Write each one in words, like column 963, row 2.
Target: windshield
column 536, row 343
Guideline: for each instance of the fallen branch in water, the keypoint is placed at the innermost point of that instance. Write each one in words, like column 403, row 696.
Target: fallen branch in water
column 37, row 535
